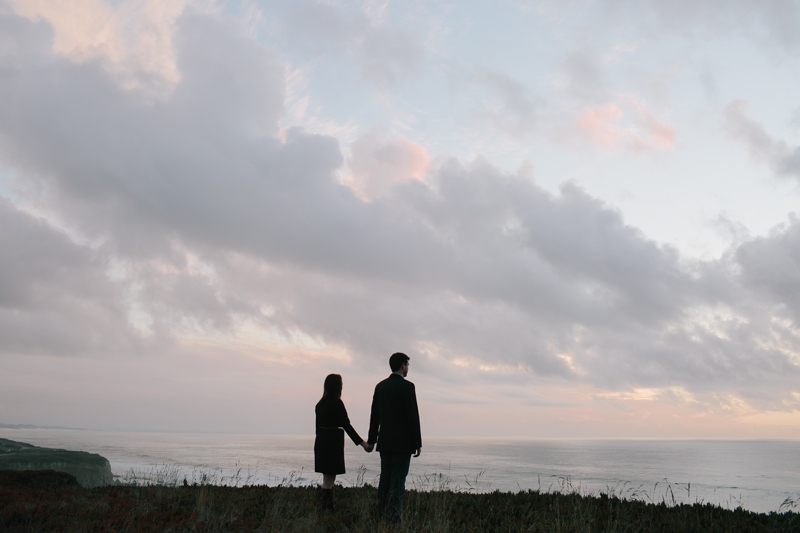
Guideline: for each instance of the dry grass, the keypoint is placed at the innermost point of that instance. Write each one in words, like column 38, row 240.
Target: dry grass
column 214, row 508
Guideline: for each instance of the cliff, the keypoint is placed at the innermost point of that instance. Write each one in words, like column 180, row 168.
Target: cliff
column 90, row 469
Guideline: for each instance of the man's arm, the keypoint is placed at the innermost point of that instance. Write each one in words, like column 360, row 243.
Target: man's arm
column 374, row 419
column 412, row 412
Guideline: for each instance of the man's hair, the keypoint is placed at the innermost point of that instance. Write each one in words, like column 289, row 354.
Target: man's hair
column 397, row 360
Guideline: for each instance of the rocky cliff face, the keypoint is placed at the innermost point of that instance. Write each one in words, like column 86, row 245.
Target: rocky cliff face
column 90, row 469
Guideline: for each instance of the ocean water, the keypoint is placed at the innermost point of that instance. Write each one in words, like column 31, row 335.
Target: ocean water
column 756, row 475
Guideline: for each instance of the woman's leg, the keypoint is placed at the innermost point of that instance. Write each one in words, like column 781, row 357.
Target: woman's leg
column 326, row 492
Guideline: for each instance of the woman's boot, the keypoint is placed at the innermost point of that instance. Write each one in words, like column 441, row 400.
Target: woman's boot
column 325, row 499
column 321, row 496
column 329, row 506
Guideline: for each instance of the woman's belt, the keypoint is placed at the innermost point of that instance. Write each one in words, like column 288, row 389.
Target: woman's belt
column 328, row 428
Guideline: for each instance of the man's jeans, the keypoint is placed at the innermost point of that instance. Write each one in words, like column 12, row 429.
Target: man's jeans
column 394, row 469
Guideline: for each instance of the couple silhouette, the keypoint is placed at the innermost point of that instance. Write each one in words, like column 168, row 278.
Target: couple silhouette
column 393, row 426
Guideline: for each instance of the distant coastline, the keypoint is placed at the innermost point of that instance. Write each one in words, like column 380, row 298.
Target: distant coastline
column 31, row 426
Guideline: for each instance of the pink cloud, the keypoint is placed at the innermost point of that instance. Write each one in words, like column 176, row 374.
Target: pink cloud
column 597, row 124
column 376, row 162
column 408, row 159
column 134, row 40
column 660, row 134
column 606, row 126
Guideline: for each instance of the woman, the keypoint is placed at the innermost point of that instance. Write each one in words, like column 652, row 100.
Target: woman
column 329, row 445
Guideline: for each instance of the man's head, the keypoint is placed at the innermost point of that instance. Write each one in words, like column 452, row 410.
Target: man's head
column 398, row 362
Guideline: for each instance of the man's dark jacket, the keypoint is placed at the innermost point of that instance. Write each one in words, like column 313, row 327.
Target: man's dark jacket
column 394, row 422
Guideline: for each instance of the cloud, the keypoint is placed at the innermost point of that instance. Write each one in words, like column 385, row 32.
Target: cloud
column 511, row 111
column 580, row 75
column 708, row 82
column 377, row 163
column 133, row 40
column 659, row 134
column 775, row 22
column 594, row 124
column 387, row 56
column 762, row 146
column 55, row 298
column 771, row 265
column 795, row 120
column 604, row 126
column 211, row 227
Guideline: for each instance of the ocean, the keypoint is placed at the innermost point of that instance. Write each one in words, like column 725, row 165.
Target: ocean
column 757, row 475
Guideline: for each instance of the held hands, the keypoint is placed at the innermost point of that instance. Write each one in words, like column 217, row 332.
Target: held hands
column 369, row 447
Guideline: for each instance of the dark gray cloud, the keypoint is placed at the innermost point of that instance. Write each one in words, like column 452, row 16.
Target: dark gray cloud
column 55, row 297
column 771, row 265
column 214, row 218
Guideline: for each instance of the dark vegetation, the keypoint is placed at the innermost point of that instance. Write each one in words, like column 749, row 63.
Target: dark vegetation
column 46, row 479
column 50, row 501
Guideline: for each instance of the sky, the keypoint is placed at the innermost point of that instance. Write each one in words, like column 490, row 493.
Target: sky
column 578, row 218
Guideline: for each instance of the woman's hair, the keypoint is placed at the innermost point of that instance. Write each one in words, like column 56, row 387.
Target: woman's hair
column 333, row 387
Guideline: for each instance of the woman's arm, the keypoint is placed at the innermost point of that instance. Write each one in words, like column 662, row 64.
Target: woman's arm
column 344, row 423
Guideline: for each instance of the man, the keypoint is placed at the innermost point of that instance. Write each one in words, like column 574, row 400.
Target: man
column 394, row 425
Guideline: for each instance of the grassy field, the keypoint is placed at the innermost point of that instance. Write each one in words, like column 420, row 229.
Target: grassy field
column 38, row 503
